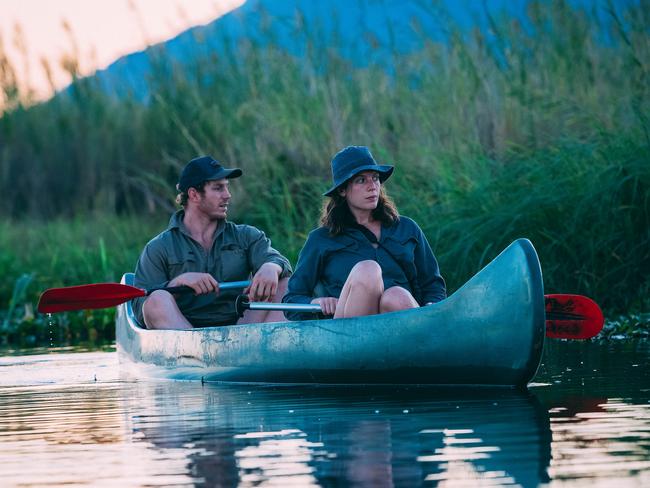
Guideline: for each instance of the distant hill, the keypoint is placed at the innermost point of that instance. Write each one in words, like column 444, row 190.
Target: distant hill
column 370, row 30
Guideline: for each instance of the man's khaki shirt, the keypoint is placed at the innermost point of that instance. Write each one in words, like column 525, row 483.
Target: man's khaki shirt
column 237, row 252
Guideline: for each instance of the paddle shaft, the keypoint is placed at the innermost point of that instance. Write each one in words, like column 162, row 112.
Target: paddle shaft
column 316, row 308
column 289, row 307
column 228, row 285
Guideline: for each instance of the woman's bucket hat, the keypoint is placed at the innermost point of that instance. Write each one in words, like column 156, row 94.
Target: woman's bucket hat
column 353, row 160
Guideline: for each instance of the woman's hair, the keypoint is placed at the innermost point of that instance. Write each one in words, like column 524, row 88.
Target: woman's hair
column 181, row 198
column 336, row 213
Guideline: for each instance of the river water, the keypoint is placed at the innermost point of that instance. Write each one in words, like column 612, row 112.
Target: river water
column 73, row 418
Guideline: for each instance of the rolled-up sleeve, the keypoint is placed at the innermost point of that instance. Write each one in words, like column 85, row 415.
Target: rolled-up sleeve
column 150, row 271
column 432, row 285
column 260, row 251
column 304, row 279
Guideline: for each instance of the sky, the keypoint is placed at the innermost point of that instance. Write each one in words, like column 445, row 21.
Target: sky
column 96, row 32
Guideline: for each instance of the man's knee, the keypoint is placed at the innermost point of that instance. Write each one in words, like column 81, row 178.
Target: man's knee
column 158, row 300
column 160, row 311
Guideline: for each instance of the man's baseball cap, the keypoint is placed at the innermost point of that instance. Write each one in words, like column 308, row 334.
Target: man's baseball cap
column 204, row 168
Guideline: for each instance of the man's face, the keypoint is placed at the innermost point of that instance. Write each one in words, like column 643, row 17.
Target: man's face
column 214, row 200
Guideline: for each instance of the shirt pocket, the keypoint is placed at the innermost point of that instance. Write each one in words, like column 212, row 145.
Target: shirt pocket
column 182, row 262
column 403, row 251
column 234, row 264
column 338, row 261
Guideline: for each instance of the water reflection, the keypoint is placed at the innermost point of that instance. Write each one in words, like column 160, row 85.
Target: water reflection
column 598, row 398
column 367, row 437
column 610, row 440
column 72, row 419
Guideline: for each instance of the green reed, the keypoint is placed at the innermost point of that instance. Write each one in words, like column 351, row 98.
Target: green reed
column 63, row 253
column 539, row 129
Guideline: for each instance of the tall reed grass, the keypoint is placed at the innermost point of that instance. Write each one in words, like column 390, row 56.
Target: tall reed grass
column 537, row 129
column 60, row 253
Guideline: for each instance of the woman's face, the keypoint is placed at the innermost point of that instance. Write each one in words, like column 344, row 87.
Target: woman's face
column 362, row 191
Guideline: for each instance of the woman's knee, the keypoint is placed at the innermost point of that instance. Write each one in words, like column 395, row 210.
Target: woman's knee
column 397, row 298
column 367, row 274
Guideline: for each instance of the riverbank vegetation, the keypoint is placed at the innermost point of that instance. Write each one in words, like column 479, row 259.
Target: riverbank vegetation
column 537, row 129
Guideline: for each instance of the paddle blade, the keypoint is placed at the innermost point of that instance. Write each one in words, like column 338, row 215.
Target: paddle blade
column 98, row 295
column 572, row 317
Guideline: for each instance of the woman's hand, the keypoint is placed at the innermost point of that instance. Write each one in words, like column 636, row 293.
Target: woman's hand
column 327, row 304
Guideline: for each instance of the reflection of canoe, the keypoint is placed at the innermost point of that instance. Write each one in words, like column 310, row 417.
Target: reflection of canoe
column 490, row 332
column 367, row 436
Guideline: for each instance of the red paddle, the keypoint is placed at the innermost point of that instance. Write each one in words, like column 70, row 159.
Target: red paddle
column 105, row 295
column 572, row 317
column 567, row 316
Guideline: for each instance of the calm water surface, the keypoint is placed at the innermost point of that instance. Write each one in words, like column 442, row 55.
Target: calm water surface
column 71, row 418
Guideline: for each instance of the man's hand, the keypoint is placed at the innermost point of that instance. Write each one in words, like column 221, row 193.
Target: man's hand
column 265, row 283
column 327, row 304
column 199, row 282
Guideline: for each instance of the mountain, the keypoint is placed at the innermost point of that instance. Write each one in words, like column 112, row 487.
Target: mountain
column 370, row 30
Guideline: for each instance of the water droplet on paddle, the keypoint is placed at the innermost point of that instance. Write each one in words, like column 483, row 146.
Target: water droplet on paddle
column 50, row 327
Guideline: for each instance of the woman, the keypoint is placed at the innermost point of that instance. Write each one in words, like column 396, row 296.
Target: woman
column 365, row 259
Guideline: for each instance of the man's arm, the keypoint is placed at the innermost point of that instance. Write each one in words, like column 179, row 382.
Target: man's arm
column 151, row 269
column 200, row 282
column 268, row 265
column 260, row 251
column 265, row 282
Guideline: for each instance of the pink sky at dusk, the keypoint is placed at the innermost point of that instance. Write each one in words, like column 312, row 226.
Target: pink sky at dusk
column 101, row 30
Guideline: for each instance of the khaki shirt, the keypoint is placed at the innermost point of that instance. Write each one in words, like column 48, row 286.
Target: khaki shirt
column 238, row 251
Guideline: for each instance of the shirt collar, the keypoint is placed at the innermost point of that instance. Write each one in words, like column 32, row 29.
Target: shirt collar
column 386, row 230
column 176, row 222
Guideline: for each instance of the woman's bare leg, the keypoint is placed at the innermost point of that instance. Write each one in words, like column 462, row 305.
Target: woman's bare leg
column 259, row 316
column 361, row 292
column 396, row 298
column 160, row 311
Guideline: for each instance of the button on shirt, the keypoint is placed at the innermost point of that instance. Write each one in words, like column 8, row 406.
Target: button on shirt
column 403, row 253
column 237, row 252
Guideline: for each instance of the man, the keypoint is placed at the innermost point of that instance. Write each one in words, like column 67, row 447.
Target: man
column 200, row 249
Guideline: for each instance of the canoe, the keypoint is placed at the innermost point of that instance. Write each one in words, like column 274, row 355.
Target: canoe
column 490, row 332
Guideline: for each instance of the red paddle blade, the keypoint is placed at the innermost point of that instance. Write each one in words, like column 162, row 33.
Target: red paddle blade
column 98, row 295
column 572, row 317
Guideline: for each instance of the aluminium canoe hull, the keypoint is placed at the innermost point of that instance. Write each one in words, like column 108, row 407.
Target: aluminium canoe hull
column 489, row 332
